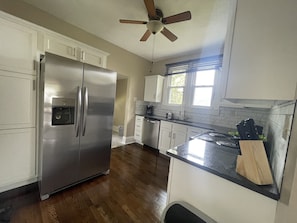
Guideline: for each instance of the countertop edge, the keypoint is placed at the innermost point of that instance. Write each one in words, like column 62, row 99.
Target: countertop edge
column 254, row 187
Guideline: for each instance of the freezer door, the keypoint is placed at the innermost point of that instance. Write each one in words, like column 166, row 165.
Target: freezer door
column 61, row 81
column 98, row 105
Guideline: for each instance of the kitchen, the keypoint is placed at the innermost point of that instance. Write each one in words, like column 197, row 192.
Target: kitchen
column 141, row 66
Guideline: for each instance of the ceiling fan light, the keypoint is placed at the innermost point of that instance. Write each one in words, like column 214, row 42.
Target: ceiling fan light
column 154, row 26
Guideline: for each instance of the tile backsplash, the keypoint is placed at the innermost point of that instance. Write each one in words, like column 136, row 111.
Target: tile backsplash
column 224, row 116
column 279, row 129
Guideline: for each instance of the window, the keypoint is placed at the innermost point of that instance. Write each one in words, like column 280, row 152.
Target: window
column 176, row 88
column 203, row 87
column 192, row 83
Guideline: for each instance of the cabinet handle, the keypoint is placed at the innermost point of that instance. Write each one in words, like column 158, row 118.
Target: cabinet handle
column 34, row 85
column 83, row 55
column 74, row 52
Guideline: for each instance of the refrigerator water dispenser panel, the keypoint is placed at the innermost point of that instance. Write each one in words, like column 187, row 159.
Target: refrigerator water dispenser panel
column 63, row 110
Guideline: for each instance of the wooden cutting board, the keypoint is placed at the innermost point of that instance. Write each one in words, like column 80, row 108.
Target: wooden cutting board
column 253, row 163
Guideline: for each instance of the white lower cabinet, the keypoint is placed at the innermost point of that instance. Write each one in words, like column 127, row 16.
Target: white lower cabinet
column 165, row 136
column 138, row 129
column 171, row 135
column 17, row 160
column 233, row 203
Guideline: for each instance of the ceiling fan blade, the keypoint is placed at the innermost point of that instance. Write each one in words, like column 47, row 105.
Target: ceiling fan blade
column 169, row 34
column 177, row 18
column 150, row 7
column 132, row 21
column 145, row 36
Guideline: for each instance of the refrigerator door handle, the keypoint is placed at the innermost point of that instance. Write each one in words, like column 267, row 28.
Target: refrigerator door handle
column 78, row 110
column 85, row 110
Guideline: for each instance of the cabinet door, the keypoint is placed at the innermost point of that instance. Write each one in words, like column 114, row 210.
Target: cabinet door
column 153, row 88
column 263, row 53
column 17, row 160
column 61, row 46
column 179, row 135
column 18, row 46
column 138, row 128
column 165, row 136
column 17, row 100
column 93, row 56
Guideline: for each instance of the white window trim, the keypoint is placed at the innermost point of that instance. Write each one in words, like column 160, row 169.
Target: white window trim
column 189, row 94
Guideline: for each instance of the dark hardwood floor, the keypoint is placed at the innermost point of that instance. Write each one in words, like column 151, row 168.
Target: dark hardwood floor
column 134, row 191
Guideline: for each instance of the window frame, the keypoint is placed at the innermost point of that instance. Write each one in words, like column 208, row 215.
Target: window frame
column 189, row 87
column 169, row 87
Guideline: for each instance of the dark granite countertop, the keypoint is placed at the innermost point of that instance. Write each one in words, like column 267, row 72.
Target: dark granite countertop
column 193, row 124
column 219, row 161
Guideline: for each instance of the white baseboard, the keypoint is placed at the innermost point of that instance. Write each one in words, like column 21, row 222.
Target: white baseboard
column 128, row 140
column 18, row 184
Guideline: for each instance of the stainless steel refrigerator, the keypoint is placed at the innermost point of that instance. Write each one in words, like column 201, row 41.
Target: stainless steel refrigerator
column 76, row 105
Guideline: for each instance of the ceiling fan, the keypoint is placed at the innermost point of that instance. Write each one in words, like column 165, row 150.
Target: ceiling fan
column 157, row 23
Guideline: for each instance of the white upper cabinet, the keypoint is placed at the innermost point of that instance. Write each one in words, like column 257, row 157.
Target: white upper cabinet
column 263, row 52
column 153, row 88
column 18, row 47
column 60, row 47
column 67, row 47
column 93, row 56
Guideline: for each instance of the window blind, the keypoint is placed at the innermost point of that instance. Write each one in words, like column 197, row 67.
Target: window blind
column 189, row 66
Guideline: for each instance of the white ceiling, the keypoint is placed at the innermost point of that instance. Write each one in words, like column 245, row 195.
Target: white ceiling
column 206, row 29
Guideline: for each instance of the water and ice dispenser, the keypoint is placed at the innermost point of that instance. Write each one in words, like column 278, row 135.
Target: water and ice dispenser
column 63, row 111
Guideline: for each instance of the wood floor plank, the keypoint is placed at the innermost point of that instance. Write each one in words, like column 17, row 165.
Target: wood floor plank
column 134, row 191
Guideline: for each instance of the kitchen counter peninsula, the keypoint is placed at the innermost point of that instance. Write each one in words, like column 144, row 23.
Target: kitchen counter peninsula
column 203, row 174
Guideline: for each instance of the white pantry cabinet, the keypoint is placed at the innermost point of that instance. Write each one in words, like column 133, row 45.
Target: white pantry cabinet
column 17, row 158
column 18, row 47
column 18, row 52
column 17, row 100
column 67, row 47
column 153, row 88
column 171, row 135
column 263, row 54
column 138, row 129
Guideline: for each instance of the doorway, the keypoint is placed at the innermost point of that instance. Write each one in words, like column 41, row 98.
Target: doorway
column 119, row 111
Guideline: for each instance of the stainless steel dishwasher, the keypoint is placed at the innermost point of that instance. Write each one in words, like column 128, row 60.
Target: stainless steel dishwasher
column 151, row 129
